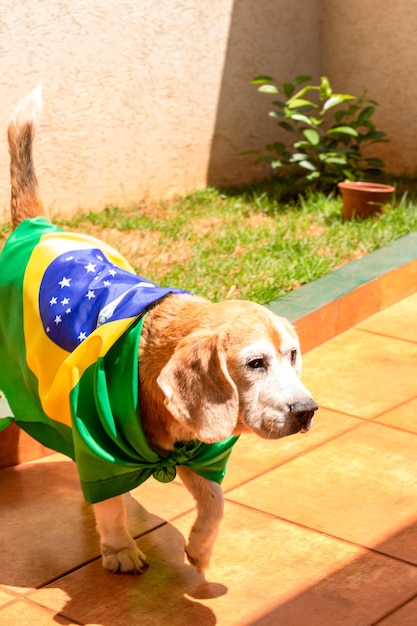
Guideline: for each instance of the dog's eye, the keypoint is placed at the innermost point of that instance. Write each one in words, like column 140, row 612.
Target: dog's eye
column 293, row 357
column 256, row 364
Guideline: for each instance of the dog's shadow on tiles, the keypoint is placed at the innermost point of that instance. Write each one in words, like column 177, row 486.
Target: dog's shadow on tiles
column 50, row 547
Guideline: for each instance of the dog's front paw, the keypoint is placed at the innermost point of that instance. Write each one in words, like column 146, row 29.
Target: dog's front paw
column 128, row 560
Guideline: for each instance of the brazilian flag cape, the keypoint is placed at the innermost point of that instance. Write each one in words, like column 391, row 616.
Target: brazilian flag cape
column 71, row 314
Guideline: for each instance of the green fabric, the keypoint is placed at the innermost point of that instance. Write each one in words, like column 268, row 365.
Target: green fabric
column 16, row 380
column 4, row 422
column 104, row 433
column 107, row 431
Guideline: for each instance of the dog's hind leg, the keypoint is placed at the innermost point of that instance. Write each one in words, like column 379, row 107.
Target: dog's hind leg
column 25, row 202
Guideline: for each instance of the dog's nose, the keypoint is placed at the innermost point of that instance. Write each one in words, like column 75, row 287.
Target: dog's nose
column 303, row 409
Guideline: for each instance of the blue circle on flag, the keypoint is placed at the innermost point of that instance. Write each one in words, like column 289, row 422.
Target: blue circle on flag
column 81, row 290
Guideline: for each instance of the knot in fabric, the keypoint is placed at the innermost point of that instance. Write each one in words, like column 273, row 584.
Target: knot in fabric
column 182, row 453
column 165, row 473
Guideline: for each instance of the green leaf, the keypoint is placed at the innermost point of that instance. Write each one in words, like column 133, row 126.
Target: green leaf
column 343, row 130
column 312, row 136
column 325, row 89
column 288, row 89
column 307, row 165
column 287, row 126
column 279, row 103
column 330, row 158
column 276, row 114
column 335, row 100
column 302, row 92
column 374, row 162
column 245, row 152
column 262, row 79
column 300, row 102
column 305, row 119
column 266, row 159
column 297, row 157
column 277, row 146
column 268, row 89
column 374, row 136
column 301, row 78
column 365, row 114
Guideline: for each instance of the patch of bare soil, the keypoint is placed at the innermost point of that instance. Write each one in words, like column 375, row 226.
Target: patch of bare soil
column 206, row 225
column 315, row 230
column 258, row 220
column 142, row 248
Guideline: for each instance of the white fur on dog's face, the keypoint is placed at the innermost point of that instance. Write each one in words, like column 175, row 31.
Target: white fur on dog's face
column 266, row 375
column 242, row 376
column 273, row 402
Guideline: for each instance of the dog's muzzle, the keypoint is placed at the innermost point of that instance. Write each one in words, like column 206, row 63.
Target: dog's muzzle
column 303, row 411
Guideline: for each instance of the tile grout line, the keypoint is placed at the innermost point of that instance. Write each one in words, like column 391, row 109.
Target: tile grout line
column 393, row 408
column 26, row 599
column 363, row 422
column 393, row 611
column 323, row 533
column 296, row 455
column 380, row 334
column 135, row 537
column 52, row 612
column 13, row 600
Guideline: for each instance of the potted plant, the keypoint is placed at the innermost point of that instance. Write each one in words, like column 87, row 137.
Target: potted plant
column 362, row 199
column 327, row 132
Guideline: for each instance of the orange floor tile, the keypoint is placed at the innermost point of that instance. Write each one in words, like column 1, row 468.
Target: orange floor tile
column 319, row 529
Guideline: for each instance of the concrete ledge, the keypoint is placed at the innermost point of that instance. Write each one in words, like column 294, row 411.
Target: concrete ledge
column 330, row 305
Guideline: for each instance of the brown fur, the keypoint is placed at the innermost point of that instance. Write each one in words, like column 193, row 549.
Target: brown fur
column 207, row 371
column 25, row 202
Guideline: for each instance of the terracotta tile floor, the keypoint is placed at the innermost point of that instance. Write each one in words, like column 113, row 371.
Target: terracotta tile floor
column 319, row 529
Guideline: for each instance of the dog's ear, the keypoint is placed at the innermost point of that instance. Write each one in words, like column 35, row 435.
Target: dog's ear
column 198, row 389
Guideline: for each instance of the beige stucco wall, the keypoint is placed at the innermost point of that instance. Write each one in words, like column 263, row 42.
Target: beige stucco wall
column 372, row 45
column 151, row 98
column 146, row 98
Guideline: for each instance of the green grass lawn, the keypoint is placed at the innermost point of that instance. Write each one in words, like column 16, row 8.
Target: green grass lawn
column 242, row 243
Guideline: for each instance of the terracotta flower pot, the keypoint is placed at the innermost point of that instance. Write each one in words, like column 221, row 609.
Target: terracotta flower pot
column 364, row 199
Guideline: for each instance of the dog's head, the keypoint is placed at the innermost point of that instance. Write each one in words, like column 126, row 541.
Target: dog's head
column 242, row 375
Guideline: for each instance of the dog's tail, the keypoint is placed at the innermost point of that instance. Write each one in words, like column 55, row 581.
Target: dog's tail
column 25, row 201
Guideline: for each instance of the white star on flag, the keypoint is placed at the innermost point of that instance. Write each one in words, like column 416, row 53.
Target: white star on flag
column 96, row 291
column 65, row 282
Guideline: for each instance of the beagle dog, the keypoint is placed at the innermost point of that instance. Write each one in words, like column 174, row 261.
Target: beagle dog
column 132, row 380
